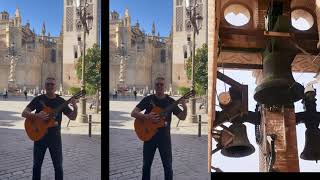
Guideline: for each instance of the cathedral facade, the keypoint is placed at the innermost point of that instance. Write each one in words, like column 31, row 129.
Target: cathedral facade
column 27, row 58
column 135, row 57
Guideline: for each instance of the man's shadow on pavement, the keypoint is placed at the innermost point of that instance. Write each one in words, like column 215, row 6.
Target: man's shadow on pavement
column 8, row 118
column 118, row 118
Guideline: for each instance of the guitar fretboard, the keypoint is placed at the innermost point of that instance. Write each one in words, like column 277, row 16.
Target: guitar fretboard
column 63, row 105
column 174, row 104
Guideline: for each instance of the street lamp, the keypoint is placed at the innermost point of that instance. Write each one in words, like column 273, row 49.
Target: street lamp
column 195, row 20
column 86, row 21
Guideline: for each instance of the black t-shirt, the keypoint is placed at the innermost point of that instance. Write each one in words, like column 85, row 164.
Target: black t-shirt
column 37, row 104
column 147, row 104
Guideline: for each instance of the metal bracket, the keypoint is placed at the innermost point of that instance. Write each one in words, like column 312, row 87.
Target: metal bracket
column 216, row 169
column 257, row 126
column 271, row 154
column 258, row 134
column 275, row 108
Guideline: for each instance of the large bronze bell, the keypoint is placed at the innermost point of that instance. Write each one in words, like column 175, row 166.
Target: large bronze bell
column 240, row 146
column 278, row 86
column 311, row 149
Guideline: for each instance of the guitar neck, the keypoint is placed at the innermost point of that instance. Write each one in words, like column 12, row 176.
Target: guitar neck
column 60, row 108
column 172, row 106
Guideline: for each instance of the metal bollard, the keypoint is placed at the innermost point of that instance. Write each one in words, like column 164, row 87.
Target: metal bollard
column 199, row 126
column 90, row 122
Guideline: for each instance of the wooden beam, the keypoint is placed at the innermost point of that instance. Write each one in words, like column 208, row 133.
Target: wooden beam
column 277, row 34
column 247, row 32
column 242, row 49
column 260, row 33
column 244, row 99
column 240, row 66
column 229, row 80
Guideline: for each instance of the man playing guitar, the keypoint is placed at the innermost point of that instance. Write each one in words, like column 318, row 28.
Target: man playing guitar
column 162, row 139
column 52, row 139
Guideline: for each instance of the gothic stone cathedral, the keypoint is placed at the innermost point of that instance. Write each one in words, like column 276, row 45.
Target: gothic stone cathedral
column 137, row 58
column 36, row 56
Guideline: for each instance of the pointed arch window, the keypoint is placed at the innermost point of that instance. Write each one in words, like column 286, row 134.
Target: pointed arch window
column 79, row 26
column 53, row 55
column 163, row 56
column 75, row 51
column 185, row 51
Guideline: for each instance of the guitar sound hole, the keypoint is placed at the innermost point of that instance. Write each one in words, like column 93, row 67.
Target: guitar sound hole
column 35, row 128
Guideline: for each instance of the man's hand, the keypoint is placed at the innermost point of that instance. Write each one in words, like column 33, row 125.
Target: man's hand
column 42, row 116
column 183, row 103
column 154, row 117
column 73, row 103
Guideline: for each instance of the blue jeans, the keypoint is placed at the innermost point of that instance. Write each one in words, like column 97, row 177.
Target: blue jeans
column 52, row 140
column 163, row 143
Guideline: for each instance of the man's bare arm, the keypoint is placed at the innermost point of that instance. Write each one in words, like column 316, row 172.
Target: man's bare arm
column 136, row 113
column 26, row 113
column 182, row 115
column 74, row 113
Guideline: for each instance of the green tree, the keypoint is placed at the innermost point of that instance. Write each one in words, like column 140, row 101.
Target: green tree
column 92, row 74
column 200, row 69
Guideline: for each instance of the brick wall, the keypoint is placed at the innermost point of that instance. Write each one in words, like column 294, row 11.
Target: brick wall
column 283, row 124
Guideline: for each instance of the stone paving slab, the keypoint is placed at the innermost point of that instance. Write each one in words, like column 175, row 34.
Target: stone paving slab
column 125, row 149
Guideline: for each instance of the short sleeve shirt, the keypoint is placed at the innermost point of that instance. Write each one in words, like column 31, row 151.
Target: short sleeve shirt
column 147, row 104
column 38, row 104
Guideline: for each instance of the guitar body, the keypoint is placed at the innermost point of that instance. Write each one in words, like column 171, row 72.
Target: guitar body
column 36, row 128
column 146, row 129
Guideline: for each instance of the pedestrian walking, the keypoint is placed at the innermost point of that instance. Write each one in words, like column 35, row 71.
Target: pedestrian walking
column 5, row 94
column 25, row 94
column 116, row 96
column 135, row 94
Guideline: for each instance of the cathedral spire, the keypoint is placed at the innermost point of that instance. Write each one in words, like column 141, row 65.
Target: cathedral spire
column 43, row 31
column 153, row 29
column 126, row 13
column 127, row 18
column 17, row 13
column 17, row 18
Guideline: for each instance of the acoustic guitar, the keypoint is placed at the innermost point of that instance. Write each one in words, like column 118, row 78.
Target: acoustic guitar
column 37, row 128
column 146, row 129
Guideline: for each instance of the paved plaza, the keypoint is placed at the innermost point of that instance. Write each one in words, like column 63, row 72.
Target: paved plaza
column 125, row 149
column 81, row 153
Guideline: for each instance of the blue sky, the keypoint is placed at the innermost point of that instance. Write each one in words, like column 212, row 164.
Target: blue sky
column 37, row 12
column 147, row 11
